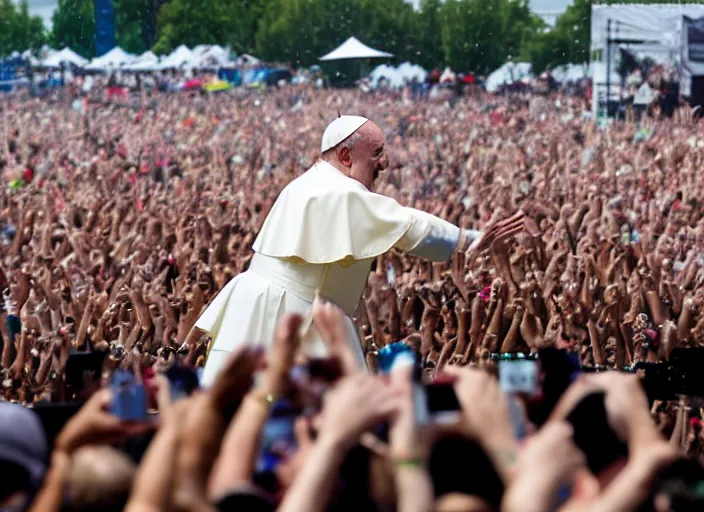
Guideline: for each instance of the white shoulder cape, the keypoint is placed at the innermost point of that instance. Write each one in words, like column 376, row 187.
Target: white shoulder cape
column 324, row 217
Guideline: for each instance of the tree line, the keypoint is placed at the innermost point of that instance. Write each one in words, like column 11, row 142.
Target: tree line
column 467, row 35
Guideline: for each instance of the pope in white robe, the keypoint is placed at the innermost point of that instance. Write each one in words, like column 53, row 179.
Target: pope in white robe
column 321, row 236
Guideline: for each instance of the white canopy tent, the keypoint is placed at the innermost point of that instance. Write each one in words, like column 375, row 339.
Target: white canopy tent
column 507, row 74
column 353, row 48
column 570, row 73
column 65, row 56
column 211, row 55
column 398, row 76
column 180, row 57
column 114, row 59
column 145, row 62
column 653, row 31
column 29, row 55
column 247, row 60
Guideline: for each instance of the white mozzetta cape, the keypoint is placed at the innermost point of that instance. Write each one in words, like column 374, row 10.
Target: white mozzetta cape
column 324, row 217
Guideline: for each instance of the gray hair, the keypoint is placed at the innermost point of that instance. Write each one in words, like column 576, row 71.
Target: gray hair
column 348, row 143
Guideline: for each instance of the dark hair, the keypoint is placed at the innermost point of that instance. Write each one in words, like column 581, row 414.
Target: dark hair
column 680, row 482
column 15, row 478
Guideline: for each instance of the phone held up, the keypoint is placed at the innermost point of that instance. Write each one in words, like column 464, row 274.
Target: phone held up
column 129, row 401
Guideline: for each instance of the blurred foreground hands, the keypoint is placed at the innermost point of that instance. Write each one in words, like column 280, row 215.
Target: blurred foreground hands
column 550, row 462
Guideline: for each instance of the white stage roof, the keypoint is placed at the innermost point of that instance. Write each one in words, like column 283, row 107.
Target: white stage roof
column 657, row 23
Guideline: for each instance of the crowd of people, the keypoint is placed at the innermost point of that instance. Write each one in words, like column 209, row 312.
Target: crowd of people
column 121, row 221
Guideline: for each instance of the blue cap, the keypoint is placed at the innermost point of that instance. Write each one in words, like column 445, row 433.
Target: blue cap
column 22, row 440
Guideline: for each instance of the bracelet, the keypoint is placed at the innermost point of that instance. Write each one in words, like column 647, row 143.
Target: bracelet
column 409, row 462
column 266, row 399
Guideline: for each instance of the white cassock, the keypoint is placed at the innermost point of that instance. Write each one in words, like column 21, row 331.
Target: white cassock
column 322, row 233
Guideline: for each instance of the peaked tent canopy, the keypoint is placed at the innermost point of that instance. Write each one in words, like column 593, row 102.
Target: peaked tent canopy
column 353, row 48
column 112, row 60
column 399, row 76
column 65, row 56
column 145, row 62
column 181, row 56
column 507, row 74
column 211, row 55
column 148, row 56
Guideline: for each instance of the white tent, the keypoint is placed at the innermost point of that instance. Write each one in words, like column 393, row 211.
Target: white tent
column 148, row 56
column 211, row 55
column 180, row 57
column 353, row 48
column 247, row 60
column 570, row 73
column 29, row 55
column 507, row 74
column 114, row 59
column 65, row 56
column 398, row 76
column 145, row 62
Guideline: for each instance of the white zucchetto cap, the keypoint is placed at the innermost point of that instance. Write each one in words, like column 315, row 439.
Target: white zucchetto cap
column 340, row 129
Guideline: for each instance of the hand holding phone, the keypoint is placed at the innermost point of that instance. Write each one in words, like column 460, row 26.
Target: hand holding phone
column 182, row 381
column 519, row 376
column 593, row 434
column 129, row 402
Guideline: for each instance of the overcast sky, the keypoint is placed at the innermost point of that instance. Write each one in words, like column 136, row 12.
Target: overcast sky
column 45, row 8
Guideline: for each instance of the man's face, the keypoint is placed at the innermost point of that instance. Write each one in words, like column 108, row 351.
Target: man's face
column 369, row 155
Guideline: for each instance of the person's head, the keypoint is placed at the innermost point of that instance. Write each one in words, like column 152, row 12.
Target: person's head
column 100, row 479
column 361, row 155
column 23, row 453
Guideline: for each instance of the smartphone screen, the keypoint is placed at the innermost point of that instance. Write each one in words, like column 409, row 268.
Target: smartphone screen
column 519, row 376
column 129, row 397
column 182, row 381
column 442, row 403
column 278, row 438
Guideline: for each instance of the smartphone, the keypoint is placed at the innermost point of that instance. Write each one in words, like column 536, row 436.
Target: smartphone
column 129, row 401
column 182, row 381
column 519, row 376
column 593, row 435
column 558, row 369
column 441, row 397
column 278, row 437
column 387, row 355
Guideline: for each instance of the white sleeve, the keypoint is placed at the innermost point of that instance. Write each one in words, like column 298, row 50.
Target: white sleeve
column 433, row 238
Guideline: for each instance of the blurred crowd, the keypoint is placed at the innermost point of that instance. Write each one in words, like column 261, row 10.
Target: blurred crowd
column 121, row 219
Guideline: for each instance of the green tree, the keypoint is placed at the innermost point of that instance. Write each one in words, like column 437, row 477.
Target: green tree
column 73, row 26
column 429, row 30
column 474, row 34
column 19, row 31
column 575, row 25
column 247, row 15
column 520, row 26
column 296, row 31
column 133, row 19
column 548, row 50
column 225, row 22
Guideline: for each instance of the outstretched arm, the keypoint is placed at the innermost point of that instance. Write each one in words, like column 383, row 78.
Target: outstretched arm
column 435, row 239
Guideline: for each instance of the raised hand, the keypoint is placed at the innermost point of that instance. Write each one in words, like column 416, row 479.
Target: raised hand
column 501, row 230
